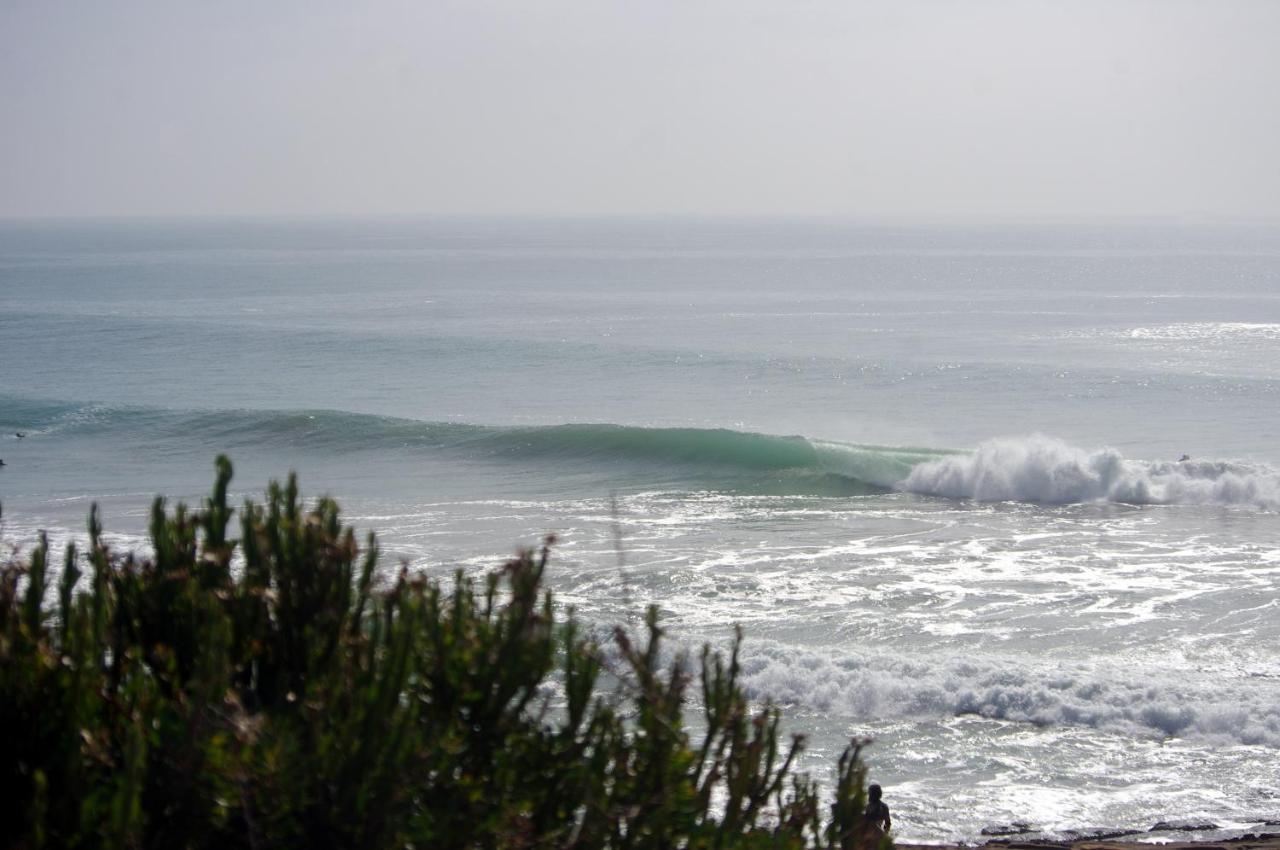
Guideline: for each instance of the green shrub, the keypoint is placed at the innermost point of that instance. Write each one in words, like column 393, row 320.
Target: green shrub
column 260, row 692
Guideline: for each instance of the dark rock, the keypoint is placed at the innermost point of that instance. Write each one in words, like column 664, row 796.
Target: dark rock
column 1015, row 828
column 1098, row 833
column 1183, row 826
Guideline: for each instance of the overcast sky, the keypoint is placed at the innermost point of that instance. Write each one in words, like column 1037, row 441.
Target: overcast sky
column 894, row 109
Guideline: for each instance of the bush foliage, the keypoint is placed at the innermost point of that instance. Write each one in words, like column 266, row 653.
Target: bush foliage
column 262, row 692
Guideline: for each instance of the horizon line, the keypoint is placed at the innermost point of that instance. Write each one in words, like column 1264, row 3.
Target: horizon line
column 863, row 218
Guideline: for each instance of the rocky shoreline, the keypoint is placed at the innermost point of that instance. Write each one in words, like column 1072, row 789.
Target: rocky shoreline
column 1115, row 840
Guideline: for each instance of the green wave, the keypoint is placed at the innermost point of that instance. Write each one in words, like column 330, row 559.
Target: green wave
column 716, row 456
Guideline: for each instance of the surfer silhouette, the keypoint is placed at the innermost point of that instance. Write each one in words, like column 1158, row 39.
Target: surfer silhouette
column 1184, row 458
column 19, row 434
column 875, row 820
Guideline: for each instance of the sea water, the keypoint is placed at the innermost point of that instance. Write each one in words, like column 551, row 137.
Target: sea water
column 934, row 471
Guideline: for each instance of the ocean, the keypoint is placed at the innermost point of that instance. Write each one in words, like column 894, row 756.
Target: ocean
column 935, row 472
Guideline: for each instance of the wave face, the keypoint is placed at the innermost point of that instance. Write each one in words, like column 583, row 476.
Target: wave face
column 698, row 457
column 1045, row 470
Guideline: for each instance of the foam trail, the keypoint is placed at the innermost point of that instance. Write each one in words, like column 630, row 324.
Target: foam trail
column 1046, row 470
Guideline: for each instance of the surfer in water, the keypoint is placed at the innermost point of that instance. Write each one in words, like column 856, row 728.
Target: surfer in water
column 19, row 434
column 1184, row 458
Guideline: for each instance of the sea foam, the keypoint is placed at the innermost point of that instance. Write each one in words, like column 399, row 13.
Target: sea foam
column 1135, row 701
column 1046, row 470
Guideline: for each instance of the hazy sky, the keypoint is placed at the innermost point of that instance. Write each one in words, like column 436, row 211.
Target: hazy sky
column 896, row 108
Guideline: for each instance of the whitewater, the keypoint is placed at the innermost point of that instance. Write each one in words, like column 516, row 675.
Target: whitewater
column 1006, row 499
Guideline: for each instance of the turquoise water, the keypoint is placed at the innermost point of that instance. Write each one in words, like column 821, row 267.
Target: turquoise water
column 934, row 471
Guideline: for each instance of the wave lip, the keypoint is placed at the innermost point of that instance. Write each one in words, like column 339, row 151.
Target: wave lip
column 1046, row 470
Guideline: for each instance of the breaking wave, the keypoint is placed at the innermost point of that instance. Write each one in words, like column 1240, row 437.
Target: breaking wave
column 1045, row 470
column 1035, row 469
